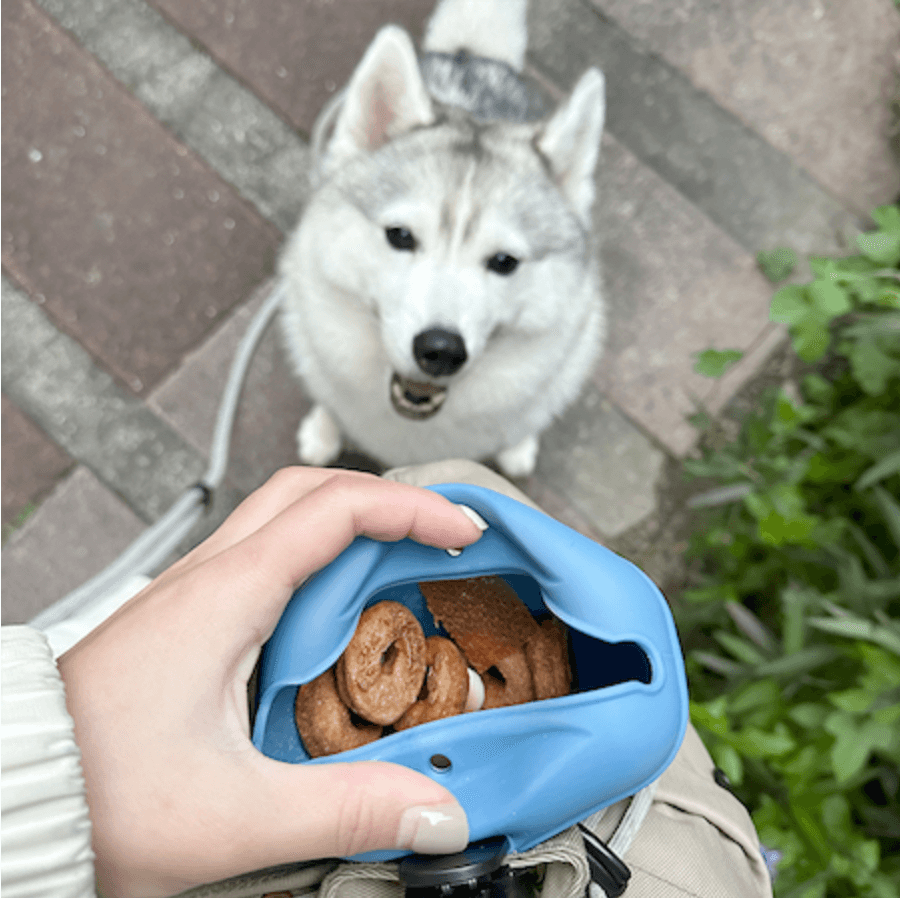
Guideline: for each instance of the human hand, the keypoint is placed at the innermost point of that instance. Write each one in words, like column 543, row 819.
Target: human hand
column 178, row 795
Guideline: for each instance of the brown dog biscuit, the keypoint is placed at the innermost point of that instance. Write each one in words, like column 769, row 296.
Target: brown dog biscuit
column 548, row 658
column 508, row 682
column 324, row 721
column 382, row 669
column 483, row 615
column 446, row 685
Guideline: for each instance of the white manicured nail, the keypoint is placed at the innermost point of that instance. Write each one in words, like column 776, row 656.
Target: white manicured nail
column 474, row 517
column 439, row 829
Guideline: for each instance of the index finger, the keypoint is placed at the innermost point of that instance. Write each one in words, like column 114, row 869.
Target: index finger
column 270, row 563
column 282, row 489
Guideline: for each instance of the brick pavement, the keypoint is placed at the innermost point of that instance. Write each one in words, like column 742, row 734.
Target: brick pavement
column 154, row 154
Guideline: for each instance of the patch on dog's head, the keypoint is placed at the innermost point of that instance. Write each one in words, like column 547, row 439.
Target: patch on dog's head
column 416, row 400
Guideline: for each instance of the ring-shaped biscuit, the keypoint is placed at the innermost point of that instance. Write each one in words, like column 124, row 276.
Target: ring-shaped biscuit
column 446, row 686
column 508, row 682
column 380, row 674
column 324, row 721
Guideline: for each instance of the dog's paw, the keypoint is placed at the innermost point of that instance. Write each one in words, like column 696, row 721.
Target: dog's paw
column 318, row 438
column 519, row 460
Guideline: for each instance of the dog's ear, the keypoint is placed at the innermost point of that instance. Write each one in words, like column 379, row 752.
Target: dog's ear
column 570, row 141
column 385, row 97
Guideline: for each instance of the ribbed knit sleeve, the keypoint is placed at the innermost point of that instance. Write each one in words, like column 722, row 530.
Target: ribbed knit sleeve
column 46, row 831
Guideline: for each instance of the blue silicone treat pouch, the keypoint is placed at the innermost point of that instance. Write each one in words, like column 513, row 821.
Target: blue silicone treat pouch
column 528, row 771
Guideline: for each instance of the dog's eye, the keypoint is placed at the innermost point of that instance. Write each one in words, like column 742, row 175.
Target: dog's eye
column 400, row 238
column 502, row 263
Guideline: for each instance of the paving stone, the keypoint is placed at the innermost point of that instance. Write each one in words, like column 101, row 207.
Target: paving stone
column 294, row 53
column 243, row 140
column 75, row 533
column 676, row 285
column 84, row 411
column 271, row 406
column 137, row 248
column 32, row 463
column 813, row 77
column 754, row 192
column 601, row 464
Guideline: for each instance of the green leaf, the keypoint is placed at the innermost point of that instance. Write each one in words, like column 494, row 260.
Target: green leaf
column 777, row 264
column 730, row 761
column 887, row 218
column 890, row 509
column 854, row 743
column 872, row 366
column 811, row 338
column 714, row 362
column 790, row 305
column 741, row 650
column 886, row 467
column 829, row 298
column 882, row 247
column 754, row 742
column 762, row 693
column 852, row 627
column 809, row 715
column 798, row 664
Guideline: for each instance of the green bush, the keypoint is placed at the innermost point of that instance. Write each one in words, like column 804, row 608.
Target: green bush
column 791, row 623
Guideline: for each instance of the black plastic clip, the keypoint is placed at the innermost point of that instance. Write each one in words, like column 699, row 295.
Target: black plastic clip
column 608, row 870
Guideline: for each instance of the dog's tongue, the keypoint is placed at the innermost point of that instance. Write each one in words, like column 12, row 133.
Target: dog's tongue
column 416, row 399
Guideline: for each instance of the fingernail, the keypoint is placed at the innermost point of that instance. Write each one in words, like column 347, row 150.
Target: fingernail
column 474, row 517
column 436, row 829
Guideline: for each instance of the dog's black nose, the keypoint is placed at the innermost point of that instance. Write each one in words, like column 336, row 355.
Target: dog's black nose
column 439, row 352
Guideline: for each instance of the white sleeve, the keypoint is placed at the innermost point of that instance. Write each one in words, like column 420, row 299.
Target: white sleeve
column 46, row 831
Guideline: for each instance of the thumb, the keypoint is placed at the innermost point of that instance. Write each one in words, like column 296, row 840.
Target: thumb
column 353, row 808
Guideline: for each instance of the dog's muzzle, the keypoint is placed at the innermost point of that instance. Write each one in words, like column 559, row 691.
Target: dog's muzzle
column 416, row 400
column 439, row 353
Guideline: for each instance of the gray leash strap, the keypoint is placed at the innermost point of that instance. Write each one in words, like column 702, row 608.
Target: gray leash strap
column 609, row 873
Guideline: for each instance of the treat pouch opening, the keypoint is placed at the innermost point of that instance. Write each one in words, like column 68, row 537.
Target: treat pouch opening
column 526, row 771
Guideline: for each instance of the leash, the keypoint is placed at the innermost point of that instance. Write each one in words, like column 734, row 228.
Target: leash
column 159, row 540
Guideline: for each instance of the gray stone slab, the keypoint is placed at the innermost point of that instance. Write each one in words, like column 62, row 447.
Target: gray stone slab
column 271, row 406
column 754, row 192
column 75, row 533
column 130, row 450
column 601, row 464
column 32, row 465
column 676, row 284
column 238, row 135
column 813, row 77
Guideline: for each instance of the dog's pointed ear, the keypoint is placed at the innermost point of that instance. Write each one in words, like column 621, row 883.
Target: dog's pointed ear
column 386, row 96
column 570, row 141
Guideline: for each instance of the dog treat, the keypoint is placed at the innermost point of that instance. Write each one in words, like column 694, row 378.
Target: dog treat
column 324, row 721
column 508, row 682
column 548, row 660
column 382, row 669
column 391, row 678
column 483, row 616
column 446, row 686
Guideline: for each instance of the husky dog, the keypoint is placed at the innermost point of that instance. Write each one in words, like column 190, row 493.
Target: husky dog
column 442, row 295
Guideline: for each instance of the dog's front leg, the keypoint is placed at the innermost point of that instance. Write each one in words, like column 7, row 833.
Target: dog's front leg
column 519, row 460
column 318, row 438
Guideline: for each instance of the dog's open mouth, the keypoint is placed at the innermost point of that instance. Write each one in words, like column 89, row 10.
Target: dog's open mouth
column 416, row 399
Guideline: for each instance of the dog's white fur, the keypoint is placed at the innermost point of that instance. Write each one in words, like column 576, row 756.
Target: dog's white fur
column 393, row 155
